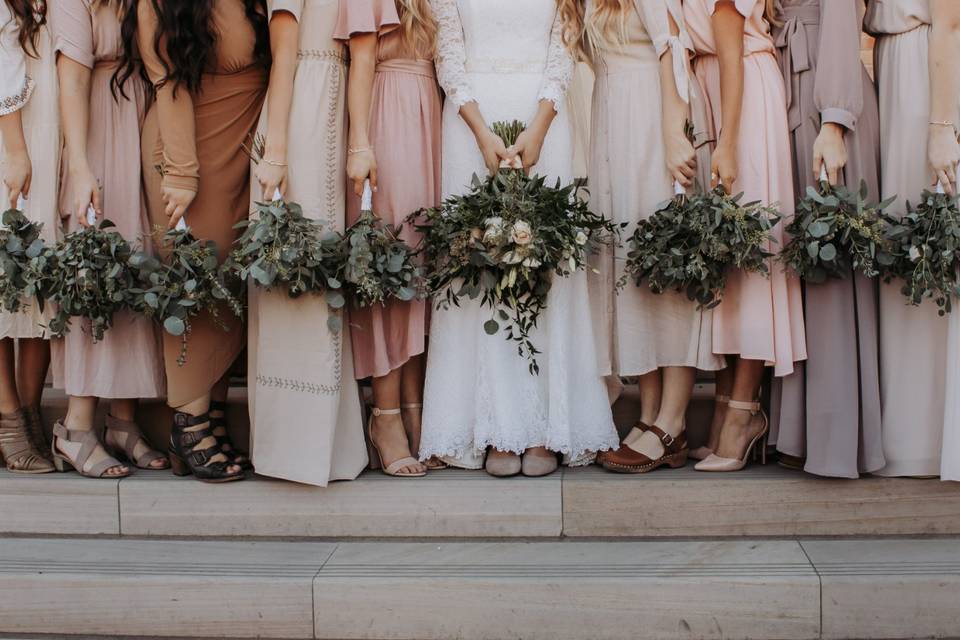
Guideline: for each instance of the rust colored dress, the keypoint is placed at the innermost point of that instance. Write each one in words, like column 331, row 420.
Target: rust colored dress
column 197, row 138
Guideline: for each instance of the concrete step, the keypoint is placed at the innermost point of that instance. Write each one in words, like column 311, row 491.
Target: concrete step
column 764, row 589
column 574, row 503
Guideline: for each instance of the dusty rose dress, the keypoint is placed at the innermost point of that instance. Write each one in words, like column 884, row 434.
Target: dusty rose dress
column 828, row 410
column 760, row 318
column 405, row 133
column 127, row 362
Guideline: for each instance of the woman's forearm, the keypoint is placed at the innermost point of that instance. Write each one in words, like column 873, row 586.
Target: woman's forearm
column 284, row 37
column 363, row 63
column 728, row 27
column 470, row 113
column 74, row 109
column 11, row 131
column 944, row 51
column 546, row 112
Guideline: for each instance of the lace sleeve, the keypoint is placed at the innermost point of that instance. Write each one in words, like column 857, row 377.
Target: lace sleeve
column 559, row 70
column 451, row 53
column 15, row 85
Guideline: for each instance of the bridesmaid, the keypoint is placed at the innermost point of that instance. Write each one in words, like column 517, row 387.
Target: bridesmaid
column 304, row 403
column 640, row 102
column 760, row 321
column 394, row 139
column 100, row 169
column 916, row 53
column 208, row 63
column 828, row 410
column 29, row 162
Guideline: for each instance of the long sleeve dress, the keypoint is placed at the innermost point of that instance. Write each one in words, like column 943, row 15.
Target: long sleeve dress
column 305, row 417
column 405, row 134
column 828, row 410
column 507, row 56
column 760, row 318
column 919, row 350
column 28, row 83
column 127, row 362
column 197, row 138
column 639, row 331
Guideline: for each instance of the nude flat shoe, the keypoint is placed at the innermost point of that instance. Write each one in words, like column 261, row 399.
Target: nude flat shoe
column 715, row 463
column 537, row 466
column 503, row 465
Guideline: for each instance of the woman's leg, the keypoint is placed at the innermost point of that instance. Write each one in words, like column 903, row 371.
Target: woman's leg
column 81, row 413
column 739, row 427
column 723, row 383
column 125, row 411
column 9, row 398
column 387, row 430
column 411, row 397
column 671, row 417
column 34, row 361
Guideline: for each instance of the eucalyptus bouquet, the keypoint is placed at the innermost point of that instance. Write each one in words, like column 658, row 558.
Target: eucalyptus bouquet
column 923, row 251
column 691, row 242
column 836, row 231
column 21, row 261
column 503, row 242
column 378, row 266
column 280, row 248
column 178, row 288
column 87, row 275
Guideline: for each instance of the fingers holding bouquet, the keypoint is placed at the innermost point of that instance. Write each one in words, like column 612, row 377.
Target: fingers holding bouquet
column 943, row 154
column 723, row 167
column 362, row 166
column 527, row 148
column 85, row 196
column 681, row 159
column 177, row 201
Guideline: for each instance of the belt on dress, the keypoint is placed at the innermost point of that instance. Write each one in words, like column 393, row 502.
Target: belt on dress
column 332, row 55
column 406, row 65
column 505, row 65
column 795, row 52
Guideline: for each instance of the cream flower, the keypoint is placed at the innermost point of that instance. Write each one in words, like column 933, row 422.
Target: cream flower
column 521, row 233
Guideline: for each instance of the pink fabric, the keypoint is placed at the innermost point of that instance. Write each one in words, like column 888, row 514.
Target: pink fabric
column 760, row 318
column 365, row 16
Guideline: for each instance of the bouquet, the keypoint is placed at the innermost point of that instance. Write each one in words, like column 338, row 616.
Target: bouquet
column 87, row 275
column 504, row 241
column 177, row 289
column 279, row 247
column 21, row 260
column 835, row 231
column 691, row 242
column 923, row 250
column 379, row 266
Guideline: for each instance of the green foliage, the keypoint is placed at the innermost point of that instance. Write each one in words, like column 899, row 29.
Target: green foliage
column 923, row 249
column 186, row 283
column 835, row 231
column 379, row 265
column 691, row 242
column 21, row 251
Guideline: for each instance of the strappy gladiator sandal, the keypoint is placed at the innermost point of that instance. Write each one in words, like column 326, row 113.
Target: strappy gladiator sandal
column 186, row 456
column 17, row 447
column 714, row 462
column 220, row 432
column 394, row 467
column 92, row 461
column 627, row 460
column 434, row 463
column 703, row 452
column 127, row 440
column 38, row 434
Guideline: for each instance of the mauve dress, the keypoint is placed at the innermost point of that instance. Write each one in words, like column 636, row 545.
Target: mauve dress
column 919, row 350
column 197, row 138
column 305, row 416
column 828, row 410
column 405, row 133
column 127, row 362
column 760, row 318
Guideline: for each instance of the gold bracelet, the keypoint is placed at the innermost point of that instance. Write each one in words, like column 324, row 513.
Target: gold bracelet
column 944, row 123
column 351, row 151
column 274, row 164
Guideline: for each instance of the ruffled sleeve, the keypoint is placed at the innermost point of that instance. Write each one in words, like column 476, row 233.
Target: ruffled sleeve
column 656, row 16
column 15, row 85
column 559, row 70
column 743, row 7
column 365, row 16
column 293, row 7
column 838, row 85
column 71, row 24
column 451, row 53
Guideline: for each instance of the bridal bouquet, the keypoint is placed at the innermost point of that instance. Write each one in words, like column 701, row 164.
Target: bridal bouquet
column 21, row 260
column 505, row 240
column 923, row 251
column 87, row 275
column 180, row 287
column 279, row 247
column 836, row 231
column 691, row 242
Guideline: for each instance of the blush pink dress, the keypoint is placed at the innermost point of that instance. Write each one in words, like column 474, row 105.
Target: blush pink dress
column 405, row 133
column 760, row 318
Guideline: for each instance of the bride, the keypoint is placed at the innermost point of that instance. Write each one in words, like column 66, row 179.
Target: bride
column 507, row 60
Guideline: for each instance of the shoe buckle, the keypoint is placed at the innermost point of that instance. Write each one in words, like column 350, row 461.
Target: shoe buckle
column 667, row 440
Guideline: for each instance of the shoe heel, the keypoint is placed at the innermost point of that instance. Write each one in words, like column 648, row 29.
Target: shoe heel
column 678, row 461
column 61, row 465
column 178, row 465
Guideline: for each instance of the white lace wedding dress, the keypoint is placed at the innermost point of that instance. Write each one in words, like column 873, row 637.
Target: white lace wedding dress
column 507, row 55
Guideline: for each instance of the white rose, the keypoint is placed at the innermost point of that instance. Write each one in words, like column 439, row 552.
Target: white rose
column 581, row 238
column 521, row 233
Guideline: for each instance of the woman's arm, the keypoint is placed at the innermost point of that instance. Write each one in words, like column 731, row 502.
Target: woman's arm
column 75, row 116
column 17, row 170
column 271, row 172
column 361, row 161
column 728, row 28
column 944, row 50
column 679, row 154
column 15, row 90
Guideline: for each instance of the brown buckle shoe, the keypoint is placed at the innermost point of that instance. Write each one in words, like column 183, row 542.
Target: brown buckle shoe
column 627, row 460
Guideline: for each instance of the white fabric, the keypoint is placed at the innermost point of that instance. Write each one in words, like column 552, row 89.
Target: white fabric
column 15, row 85
column 479, row 392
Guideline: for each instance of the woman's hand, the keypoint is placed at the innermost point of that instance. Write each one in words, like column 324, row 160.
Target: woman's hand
column 723, row 166
column 17, row 174
column 528, row 146
column 829, row 152
column 943, row 154
column 361, row 166
column 272, row 178
column 681, row 158
column 84, row 193
column 493, row 150
column 177, row 201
